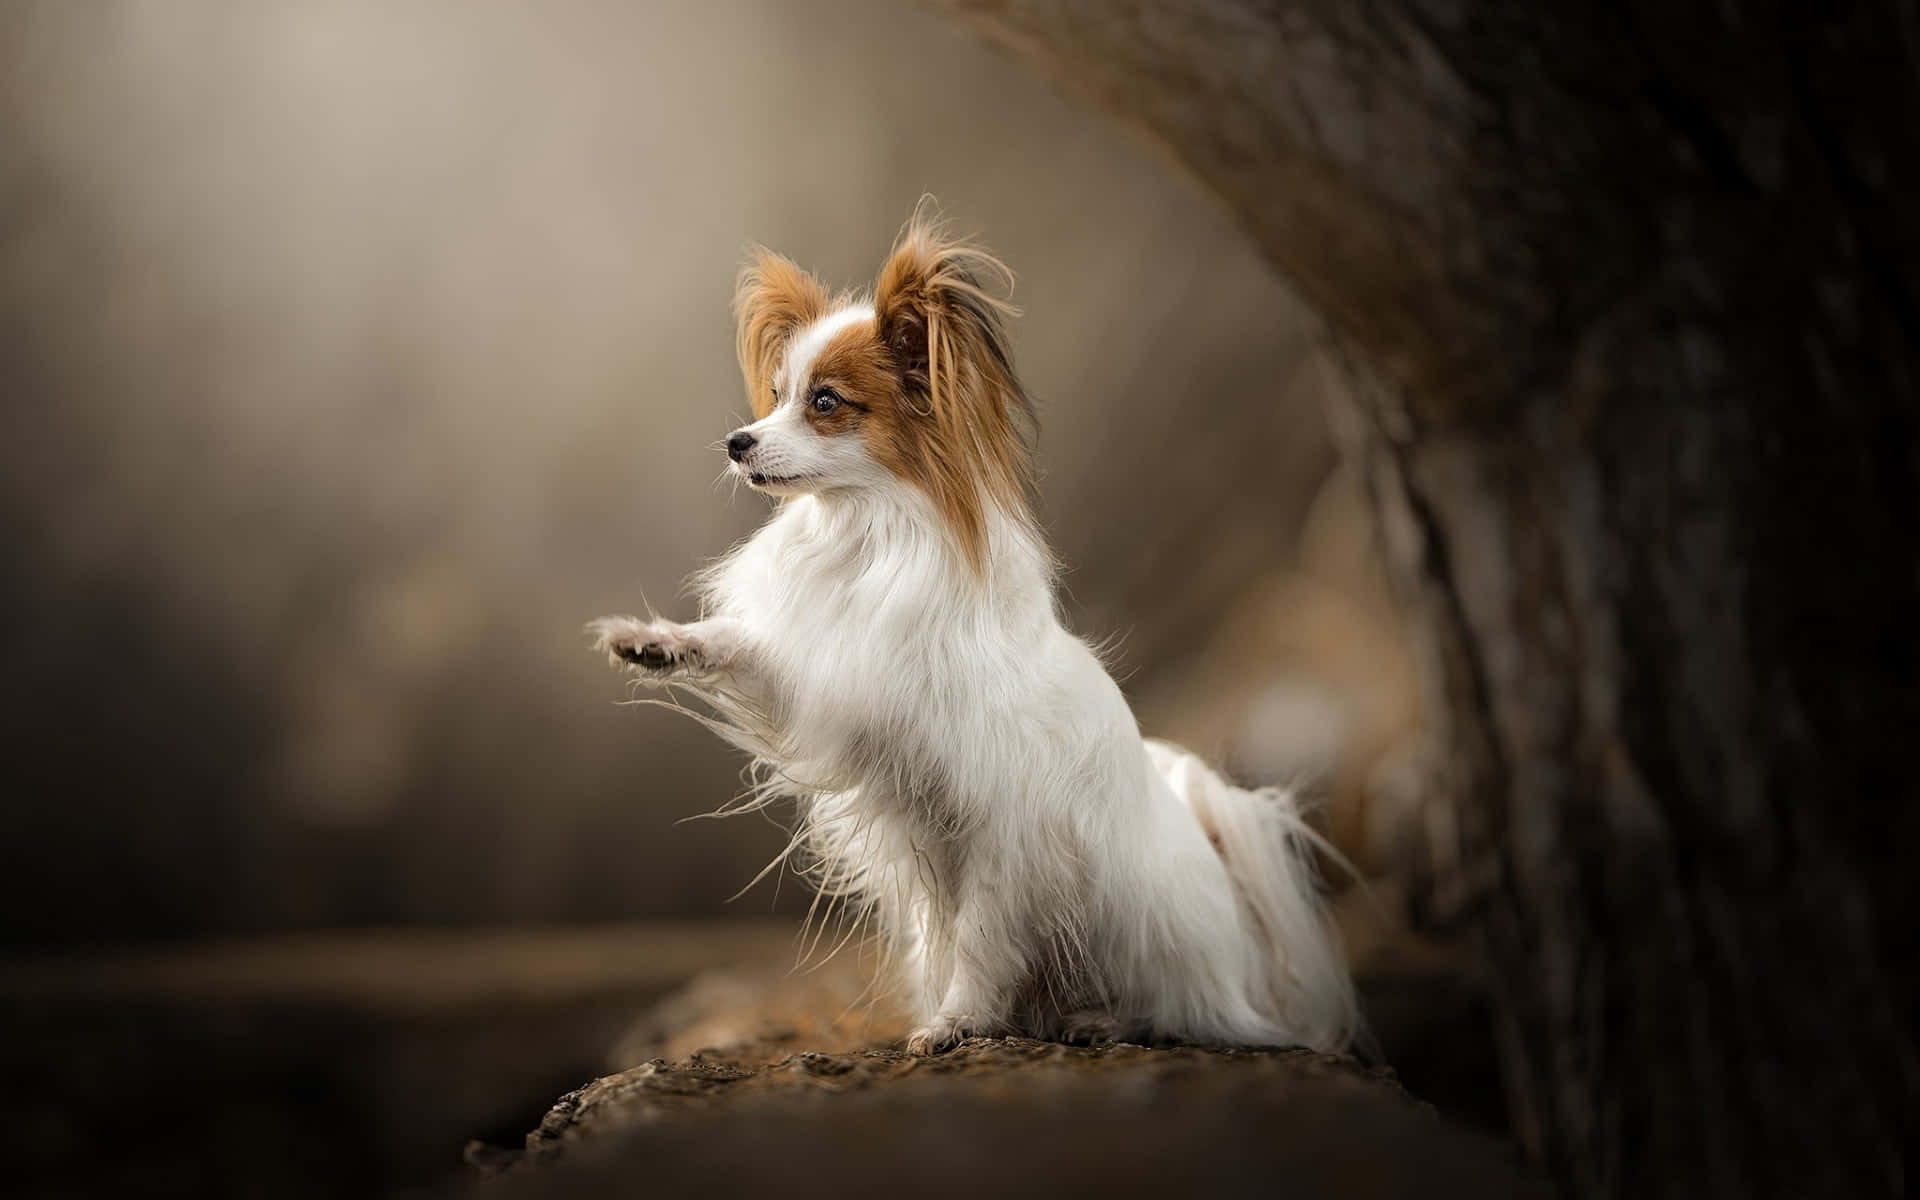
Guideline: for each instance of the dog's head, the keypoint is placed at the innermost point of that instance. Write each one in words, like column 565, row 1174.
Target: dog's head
column 912, row 385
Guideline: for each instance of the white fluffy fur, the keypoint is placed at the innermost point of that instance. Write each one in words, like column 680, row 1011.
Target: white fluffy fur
column 970, row 779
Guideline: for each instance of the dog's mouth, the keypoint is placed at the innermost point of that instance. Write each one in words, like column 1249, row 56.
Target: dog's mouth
column 761, row 479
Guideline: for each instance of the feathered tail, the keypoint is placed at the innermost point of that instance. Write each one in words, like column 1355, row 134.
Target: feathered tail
column 1268, row 851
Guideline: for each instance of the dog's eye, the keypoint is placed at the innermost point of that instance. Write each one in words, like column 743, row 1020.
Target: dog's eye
column 826, row 400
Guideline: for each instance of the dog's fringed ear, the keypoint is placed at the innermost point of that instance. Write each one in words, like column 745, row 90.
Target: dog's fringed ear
column 773, row 300
column 944, row 331
column 934, row 314
column 903, row 303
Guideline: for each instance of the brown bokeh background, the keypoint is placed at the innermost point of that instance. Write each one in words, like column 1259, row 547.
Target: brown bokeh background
column 356, row 353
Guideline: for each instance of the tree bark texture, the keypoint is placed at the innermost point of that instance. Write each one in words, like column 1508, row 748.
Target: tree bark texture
column 1626, row 294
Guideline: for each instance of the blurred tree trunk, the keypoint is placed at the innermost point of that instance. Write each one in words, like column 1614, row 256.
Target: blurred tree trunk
column 1627, row 299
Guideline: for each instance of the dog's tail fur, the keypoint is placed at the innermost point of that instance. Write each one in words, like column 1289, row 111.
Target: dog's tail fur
column 1269, row 853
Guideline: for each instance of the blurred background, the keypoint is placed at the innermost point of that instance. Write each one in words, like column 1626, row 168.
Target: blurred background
column 355, row 354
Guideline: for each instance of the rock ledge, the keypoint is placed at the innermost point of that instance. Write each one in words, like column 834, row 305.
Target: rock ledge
column 1003, row 1116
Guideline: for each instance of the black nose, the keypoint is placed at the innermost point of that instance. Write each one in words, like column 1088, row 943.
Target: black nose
column 738, row 445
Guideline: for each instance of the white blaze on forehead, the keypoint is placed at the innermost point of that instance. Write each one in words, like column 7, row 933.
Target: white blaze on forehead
column 789, row 455
column 809, row 342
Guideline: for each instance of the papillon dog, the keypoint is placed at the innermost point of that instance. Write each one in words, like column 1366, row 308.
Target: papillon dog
column 970, row 781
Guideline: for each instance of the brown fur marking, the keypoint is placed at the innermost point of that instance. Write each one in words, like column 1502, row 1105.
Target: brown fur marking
column 772, row 300
column 963, row 418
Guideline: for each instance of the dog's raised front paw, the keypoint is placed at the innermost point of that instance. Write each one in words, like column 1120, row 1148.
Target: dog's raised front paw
column 658, row 648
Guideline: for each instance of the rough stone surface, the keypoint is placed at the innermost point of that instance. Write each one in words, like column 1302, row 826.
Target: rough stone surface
column 994, row 1116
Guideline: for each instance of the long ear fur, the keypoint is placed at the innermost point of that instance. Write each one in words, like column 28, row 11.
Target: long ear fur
column 944, row 332
column 772, row 300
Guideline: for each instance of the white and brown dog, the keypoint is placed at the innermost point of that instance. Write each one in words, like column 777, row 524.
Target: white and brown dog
column 969, row 778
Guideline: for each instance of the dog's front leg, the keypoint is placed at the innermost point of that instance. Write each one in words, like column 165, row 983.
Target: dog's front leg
column 665, row 651
column 987, row 964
